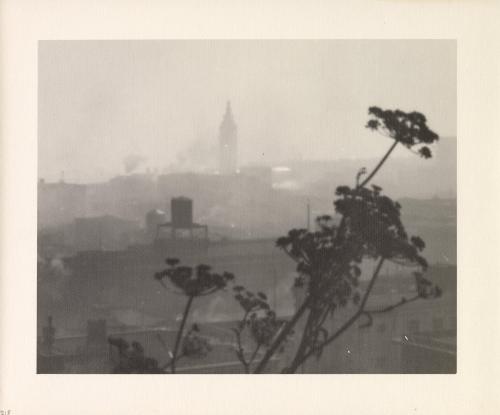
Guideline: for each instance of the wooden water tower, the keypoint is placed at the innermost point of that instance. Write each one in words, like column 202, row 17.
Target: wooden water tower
column 181, row 212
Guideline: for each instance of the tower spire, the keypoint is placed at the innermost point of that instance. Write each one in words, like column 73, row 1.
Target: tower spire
column 228, row 143
column 228, row 116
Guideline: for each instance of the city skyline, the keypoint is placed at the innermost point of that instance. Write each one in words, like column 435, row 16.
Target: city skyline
column 102, row 101
column 255, row 171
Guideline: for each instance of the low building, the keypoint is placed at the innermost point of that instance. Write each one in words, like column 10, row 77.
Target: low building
column 102, row 233
column 59, row 203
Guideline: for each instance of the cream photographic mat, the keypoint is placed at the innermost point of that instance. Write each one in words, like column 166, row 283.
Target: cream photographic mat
column 472, row 25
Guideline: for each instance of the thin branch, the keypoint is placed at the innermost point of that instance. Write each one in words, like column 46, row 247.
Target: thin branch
column 324, row 317
column 240, row 353
column 403, row 301
column 254, row 354
column 181, row 329
column 368, row 313
column 348, row 323
column 379, row 165
column 282, row 335
column 369, row 322
column 171, row 361
column 169, row 289
column 290, row 255
column 162, row 342
column 304, row 258
column 305, row 338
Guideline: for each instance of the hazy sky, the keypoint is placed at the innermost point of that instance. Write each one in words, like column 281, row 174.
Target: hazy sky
column 100, row 101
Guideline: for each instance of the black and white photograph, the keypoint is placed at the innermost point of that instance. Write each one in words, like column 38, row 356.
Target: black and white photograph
column 247, row 207
column 220, row 189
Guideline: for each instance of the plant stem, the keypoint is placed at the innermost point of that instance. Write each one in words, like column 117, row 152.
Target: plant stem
column 281, row 336
column 240, row 352
column 379, row 165
column 367, row 180
column 299, row 360
column 169, row 364
column 181, row 330
column 303, row 342
column 254, row 354
column 347, row 324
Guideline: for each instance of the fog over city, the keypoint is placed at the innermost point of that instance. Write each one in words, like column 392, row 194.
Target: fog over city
column 252, row 184
column 101, row 102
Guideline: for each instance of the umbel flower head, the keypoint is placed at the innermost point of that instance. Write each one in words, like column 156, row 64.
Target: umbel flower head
column 193, row 282
column 194, row 344
column 408, row 128
column 328, row 259
column 132, row 359
column 374, row 227
column 262, row 323
column 264, row 328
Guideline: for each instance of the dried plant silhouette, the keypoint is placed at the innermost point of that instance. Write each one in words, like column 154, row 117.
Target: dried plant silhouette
column 190, row 283
column 259, row 323
column 367, row 227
